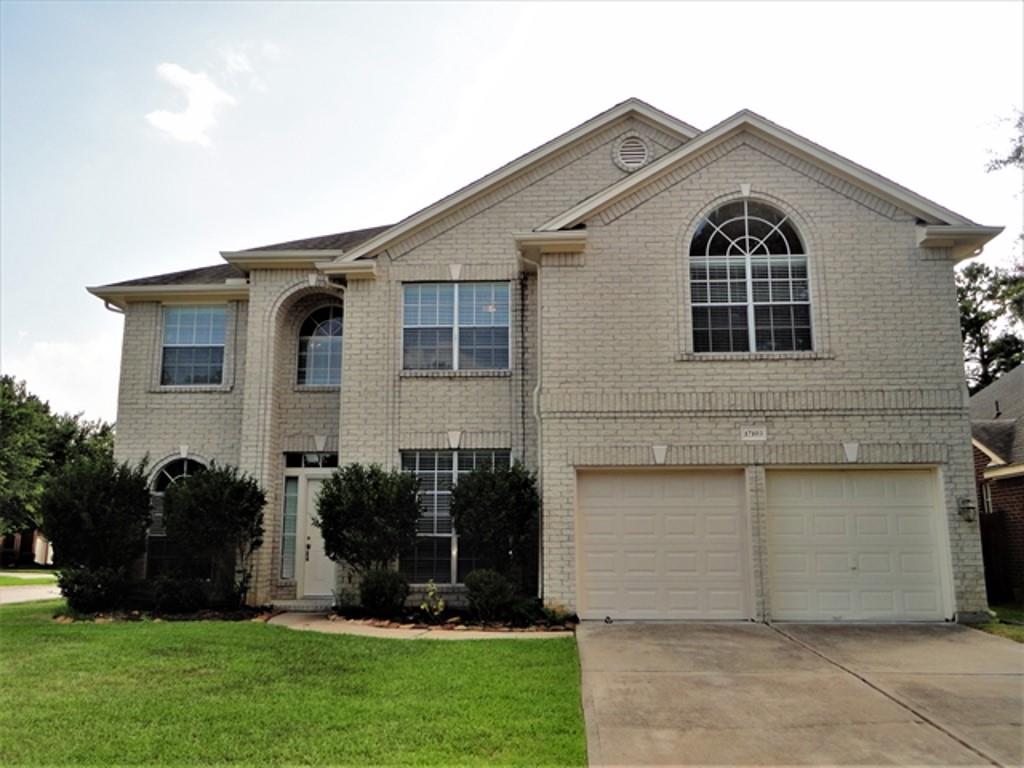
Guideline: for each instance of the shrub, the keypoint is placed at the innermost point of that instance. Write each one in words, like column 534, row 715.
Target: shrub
column 96, row 512
column 383, row 593
column 433, row 604
column 218, row 515
column 93, row 589
column 178, row 594
column 496, row 512
column 491, row 595
column 367, row 515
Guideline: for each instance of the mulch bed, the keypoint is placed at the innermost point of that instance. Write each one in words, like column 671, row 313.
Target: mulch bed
column 453, row 624
column 262, row 614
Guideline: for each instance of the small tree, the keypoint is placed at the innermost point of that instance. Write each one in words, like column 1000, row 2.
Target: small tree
column 367, row 515
column 496, row 512
column 96, row 512
column 218, row 516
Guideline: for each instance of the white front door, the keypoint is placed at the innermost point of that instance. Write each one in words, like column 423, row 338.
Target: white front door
column 662, row 545
column 856, row 544
column 317, row 568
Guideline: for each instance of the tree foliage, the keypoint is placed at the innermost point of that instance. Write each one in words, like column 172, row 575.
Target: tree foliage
column 96, row 512
column 1014, row 158
column 991, row 318
column 217, row 515
column 35, row 445
column 496, row 512
column 367, row 515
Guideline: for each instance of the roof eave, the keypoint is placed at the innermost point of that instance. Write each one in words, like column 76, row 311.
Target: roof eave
column 283, row 259
column 963, row 242
column 122, row 295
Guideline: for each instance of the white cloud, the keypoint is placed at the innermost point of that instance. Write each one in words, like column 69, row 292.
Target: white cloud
column 199, row 116
column 74, row 376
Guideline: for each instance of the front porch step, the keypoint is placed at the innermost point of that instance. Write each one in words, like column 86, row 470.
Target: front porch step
column 304, row 605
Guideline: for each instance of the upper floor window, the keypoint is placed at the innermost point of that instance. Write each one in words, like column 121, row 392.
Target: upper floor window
column 748, row 282
column 193, row 349
column 455, row 326
column 320, row 348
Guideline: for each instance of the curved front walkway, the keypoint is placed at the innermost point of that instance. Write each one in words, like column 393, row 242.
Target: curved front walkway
column 318, row 622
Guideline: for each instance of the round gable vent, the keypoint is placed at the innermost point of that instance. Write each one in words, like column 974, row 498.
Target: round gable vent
column 631, row 153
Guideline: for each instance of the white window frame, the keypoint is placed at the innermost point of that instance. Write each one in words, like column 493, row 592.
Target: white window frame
column 456, row 325
column 453, row 535
column 750, row 304
column 223, row 346
column 986, row 498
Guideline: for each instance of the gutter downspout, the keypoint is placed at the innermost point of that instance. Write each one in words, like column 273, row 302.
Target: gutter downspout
column 111, row 308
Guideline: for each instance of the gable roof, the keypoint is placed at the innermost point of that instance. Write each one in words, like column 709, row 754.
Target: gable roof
column 632, row 107
column 338, row 241
column 216, row 273
column 746, row 120
column 997, row 416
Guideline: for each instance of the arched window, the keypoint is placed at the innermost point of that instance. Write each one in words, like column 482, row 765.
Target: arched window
column 320, row 348
column 173, row 471
column 748, row 282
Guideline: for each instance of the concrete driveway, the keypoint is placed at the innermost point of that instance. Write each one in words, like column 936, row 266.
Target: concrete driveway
column 746, row 694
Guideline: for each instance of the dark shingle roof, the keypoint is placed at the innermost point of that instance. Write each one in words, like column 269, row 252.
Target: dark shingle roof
column 339, row 240
column 213, row 275
column 1007, row 390
column 997, row 416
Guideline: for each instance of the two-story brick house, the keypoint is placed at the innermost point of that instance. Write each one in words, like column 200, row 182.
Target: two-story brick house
column 732, row 357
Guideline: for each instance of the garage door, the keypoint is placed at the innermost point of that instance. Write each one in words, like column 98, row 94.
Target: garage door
column 851, row 545
column 662, row 545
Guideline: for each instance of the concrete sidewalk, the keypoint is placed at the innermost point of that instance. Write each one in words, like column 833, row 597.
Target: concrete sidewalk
column 742, row 694
column 28, row 594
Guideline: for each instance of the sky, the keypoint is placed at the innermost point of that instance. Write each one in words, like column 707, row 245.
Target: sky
column 140, row 138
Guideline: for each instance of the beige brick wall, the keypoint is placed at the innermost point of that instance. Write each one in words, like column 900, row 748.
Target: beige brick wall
column 617, row 376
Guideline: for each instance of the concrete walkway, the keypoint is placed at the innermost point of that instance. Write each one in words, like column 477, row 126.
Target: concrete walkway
column 318, row 622
column 28, row 594
column 743, row 694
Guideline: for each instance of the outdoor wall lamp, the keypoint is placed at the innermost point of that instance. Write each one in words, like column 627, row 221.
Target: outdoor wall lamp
column 967, row 509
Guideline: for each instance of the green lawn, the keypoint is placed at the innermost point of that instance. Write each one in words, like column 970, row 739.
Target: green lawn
column 14, row 581
column 1006, row 613
column 249, row 693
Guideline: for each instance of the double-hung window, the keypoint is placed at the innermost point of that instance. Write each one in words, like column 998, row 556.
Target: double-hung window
column 436, row 554
column 455, row 326
column 748, row 282
column 193, row 345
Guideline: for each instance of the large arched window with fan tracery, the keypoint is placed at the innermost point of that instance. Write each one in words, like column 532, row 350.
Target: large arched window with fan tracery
column 748, row 282
column 320, row 348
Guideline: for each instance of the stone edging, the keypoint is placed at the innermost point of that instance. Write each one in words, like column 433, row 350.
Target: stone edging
column 318, row 622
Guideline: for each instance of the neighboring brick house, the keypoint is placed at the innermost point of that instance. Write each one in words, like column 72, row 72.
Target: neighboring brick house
column 997, row 431
column 731, row 356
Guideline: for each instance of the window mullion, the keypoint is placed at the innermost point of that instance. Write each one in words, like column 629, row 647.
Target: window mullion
column 455, row 329
column 454, row 537
column 751, row 330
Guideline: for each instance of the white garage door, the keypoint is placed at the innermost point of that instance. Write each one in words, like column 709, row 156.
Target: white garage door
column 662, row 545
column 863, row 544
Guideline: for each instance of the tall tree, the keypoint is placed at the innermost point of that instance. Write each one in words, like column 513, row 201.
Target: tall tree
column 991, row 333
column 34, row 445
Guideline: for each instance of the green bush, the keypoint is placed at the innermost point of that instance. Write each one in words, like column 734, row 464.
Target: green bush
column 93, row 589
column 367, row 515
column 95, row 512
column 496, row 513
column 178, row 594
column 217, row 515
column 383, row 593
column 491, row 595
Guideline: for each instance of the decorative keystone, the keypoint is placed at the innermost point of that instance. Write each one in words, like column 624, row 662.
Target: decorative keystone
column 660, row 452
column 852, row 450
column 454, row 439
